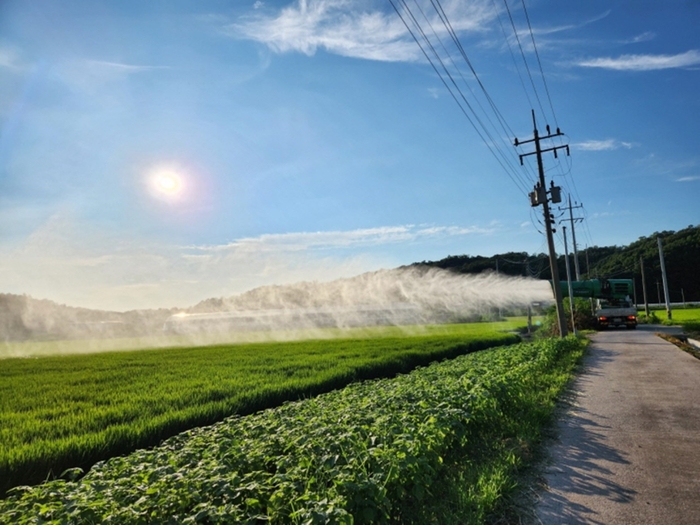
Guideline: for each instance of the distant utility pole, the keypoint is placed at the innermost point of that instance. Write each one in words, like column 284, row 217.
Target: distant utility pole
column 568, row 281
column 539, row 196
column 572, row 220
column 644, row 287
column 663, row 277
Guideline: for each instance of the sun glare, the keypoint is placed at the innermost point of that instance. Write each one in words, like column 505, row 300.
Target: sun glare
column 167, row 184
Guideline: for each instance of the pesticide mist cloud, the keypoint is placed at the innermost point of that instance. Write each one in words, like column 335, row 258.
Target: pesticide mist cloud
column 74, row 264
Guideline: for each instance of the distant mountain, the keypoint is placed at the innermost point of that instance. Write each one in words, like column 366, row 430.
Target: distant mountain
column 681, row 256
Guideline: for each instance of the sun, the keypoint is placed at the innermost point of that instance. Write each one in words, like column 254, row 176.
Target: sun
column 167, row 184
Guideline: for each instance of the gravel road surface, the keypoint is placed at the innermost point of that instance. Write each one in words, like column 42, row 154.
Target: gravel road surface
column 628, row 450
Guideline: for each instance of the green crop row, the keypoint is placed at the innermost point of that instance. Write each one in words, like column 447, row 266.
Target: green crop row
column 71, row 411
column 380, row 451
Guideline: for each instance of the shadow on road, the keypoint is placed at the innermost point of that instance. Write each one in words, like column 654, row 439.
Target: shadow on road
column 579, row 469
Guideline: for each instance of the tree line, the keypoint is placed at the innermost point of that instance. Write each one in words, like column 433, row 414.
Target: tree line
column 681, row 256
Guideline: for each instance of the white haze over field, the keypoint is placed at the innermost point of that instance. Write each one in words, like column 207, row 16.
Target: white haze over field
column 405, row 297
column 429, row 288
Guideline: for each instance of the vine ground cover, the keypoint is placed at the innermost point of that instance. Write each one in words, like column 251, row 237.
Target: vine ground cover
column 71, row 411
column 378, row 451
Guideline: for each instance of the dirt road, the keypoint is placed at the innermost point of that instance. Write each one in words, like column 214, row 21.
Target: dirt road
column 629, row 448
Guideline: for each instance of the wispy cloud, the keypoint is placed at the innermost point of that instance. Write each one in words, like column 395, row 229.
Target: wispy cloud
column 605, row 214
column 122, row 67
column 351, row 28
column 93, row 76
column 643, row 37
column 8, row 58
column 76, row 264
column 688, row 179
column 296, row 241
column 601, row 145
column 644, row 62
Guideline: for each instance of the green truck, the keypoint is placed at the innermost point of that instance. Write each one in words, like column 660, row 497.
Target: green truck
column 613, row 300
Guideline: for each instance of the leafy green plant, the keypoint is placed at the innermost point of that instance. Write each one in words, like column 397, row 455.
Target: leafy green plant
column 375, row 452
column 583, row 317
column 71, row 411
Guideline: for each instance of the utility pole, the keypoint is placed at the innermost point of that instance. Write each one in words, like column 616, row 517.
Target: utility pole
column 663, row 277
column 568, row 280
column 572, row 220
column 539, row 196
column 498, row 311
column 644, row 287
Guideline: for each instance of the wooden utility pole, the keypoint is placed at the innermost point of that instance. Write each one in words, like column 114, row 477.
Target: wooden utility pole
column 664, row 279
column 644, row 287
column 539, row 196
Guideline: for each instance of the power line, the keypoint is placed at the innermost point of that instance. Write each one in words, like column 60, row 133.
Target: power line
column 539, row 62
column 499, row 116
column 503, row 159
column 522, row 53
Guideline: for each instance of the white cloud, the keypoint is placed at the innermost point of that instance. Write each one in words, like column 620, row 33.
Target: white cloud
column 643, row 37
column 74, row 264
column 302, row 241
column 92, row 76
column 644, row 62
column 688, row 179
column 352, row 28
column 9, row 58
column 601, row 145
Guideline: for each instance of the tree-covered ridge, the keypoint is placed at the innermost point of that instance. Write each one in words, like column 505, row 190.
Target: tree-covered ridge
column 681, row 255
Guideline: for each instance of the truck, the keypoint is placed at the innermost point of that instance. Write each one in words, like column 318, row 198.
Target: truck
column 613, row 304
column 616, row 312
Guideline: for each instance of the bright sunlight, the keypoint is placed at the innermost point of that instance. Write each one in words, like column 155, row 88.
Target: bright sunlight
column 167, row 184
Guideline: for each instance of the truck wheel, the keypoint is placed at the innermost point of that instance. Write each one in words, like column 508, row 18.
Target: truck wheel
column 631, row 326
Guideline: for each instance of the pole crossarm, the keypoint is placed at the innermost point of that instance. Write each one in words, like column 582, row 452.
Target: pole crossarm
column 545, row 150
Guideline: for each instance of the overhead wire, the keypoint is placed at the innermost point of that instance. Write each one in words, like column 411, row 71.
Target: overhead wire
column 481, row 128
column 476, row 113
column 564, row 172
column 508, row 131
column 522, row 54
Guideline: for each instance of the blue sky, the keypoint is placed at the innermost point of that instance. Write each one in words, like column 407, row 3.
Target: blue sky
column 157, row 153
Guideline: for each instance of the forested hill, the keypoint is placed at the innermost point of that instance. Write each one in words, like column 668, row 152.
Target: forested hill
column 681, row 255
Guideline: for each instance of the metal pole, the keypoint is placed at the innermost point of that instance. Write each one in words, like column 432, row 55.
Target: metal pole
column 664, row 279
column 568, row 280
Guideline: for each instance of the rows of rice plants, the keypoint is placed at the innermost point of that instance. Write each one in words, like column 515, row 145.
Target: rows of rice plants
column 71, row 411
column 91, row 346
column 374, row 452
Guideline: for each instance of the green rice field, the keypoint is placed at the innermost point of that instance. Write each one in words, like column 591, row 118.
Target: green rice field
column 63, row 411
column 441, row 444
